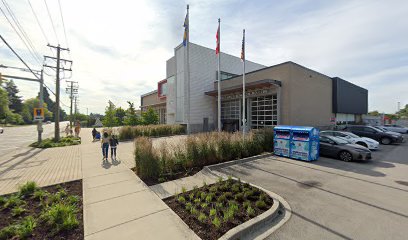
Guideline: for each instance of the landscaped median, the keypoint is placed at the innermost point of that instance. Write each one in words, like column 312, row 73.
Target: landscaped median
column 129, row 132
column 213, row 210
column 51, row 143
column 53, row 212
column 185, row 157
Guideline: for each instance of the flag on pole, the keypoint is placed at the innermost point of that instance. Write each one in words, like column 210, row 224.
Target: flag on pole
column 185, row 25
column 243, row 47
column 217, row 36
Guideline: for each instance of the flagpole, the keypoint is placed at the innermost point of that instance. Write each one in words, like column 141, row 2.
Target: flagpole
column 219, row 74
column 243, row 87
column 188, row 71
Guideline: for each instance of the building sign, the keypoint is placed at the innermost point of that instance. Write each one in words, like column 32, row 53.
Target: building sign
column 38, row 114
column 249, row 93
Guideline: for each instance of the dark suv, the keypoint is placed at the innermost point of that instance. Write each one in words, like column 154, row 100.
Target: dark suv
column 382, row 136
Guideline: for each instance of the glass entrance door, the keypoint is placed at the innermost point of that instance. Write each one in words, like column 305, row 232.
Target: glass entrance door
column 264, row 111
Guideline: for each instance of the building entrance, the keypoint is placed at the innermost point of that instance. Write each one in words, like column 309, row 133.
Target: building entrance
column 263, row 111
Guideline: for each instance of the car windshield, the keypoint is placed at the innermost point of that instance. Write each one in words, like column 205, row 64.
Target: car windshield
column 351, row 135
column 339, row 141
column 379, row 129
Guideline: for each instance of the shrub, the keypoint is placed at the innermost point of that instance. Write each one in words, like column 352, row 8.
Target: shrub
column 61, row 217
column 202, row 217
column 13, row 201
column 204, row 205
column 248, row 193
column 203, row 195
column 246, row 204
column 260, row 204
column 40, row 194
column 250, row 211
column 194, row 211
column 222, row 198
column 183, row 190
column 216, row 222
column 3, row 200
column 236, row 188
column 17, row 211
column 209, row 198
column 147, row 162
column 73, row 199
column 239, row 197
column 213, row 189
column 22, row 230
column 128, row 133
column 181, row 200
column 219, row 205
column 188, row 206
column 191, row 196
column 27, row 189
column 197, row 201
column 213, row 212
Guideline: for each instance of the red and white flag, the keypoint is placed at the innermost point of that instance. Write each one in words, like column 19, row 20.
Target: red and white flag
column 217, row 36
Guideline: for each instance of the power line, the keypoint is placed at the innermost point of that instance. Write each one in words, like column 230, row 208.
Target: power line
column 15, row 53
column 52, row 22
column 63, row 23
column 20, row 27
column 21, row 38
column 38, row 22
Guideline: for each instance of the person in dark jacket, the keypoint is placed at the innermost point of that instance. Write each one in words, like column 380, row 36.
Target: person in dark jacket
column 113, row 142
column 94, row 134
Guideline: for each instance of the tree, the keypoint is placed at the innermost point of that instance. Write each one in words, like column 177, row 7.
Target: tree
column 120, row 114
column 51, row 105
column 15, row 102
column 110, row 119
column 374, row 113
column 150, row 117
column 28, row 108
column 403, row 113
column 131, row 118
column 4, row 103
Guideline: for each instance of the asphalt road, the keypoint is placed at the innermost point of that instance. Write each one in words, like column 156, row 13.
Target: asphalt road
column 14, row 138
column 331, row 199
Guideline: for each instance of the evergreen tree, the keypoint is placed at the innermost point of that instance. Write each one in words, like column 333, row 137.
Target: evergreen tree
column 120, row 114
column 110, row 119
column 150, row 117
column 131, row 116
column 15, row 102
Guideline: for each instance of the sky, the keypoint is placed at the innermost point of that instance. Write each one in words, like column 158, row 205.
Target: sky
column 119, row 48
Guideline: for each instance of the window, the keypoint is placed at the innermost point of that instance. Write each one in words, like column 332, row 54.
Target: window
column 230, row 110
column 225, row 75
column 162, row 88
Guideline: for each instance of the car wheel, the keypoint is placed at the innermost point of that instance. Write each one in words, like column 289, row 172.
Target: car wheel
column 385, row 141
column 345, row 156
column 362, row 144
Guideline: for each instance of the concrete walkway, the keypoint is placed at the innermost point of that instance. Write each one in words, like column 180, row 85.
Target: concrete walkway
column 118, row 205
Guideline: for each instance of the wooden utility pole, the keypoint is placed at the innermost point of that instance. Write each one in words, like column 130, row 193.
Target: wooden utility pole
column 57, row 86
column 72, row 90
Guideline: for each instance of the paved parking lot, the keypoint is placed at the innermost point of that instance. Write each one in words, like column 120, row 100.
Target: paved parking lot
column 331, row 199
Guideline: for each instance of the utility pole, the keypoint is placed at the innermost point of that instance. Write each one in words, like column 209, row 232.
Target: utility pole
column 72, row 90
column 57, row 88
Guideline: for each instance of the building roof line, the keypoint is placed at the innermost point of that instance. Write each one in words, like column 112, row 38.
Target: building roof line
column 149, row 93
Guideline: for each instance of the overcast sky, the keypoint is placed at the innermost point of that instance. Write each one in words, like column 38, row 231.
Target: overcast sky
column 119, row 48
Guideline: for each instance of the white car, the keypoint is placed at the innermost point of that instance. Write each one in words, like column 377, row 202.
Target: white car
column 353, row 138
column 396, row 128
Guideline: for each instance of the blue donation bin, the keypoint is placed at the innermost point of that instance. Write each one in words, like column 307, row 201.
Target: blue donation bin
column 281, row 138
column 297, row 142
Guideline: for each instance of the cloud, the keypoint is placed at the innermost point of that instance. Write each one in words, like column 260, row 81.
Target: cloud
column 120, row 48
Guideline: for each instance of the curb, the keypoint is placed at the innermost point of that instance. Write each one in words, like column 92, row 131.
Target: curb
column 234, row 162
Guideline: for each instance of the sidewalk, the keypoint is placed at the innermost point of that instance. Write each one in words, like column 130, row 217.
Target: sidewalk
column 118, row 205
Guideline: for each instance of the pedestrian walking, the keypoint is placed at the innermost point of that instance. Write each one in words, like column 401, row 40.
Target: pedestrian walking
column 94, row 134
column 113, row 142
column 105, row 146
column 67, row 130
column 77, row 128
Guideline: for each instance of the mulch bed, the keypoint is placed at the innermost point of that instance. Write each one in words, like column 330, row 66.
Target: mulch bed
column 168, row 177
column 33, row 209
column 206, row 229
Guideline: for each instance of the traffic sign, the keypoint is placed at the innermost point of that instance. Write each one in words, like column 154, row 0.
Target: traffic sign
column 38, row 114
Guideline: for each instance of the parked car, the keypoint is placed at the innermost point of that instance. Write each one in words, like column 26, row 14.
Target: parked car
column 396, row 128
column 384, row 137
column 353, row 138
column 48, row 122
column 339, row 148
column 1, row 130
